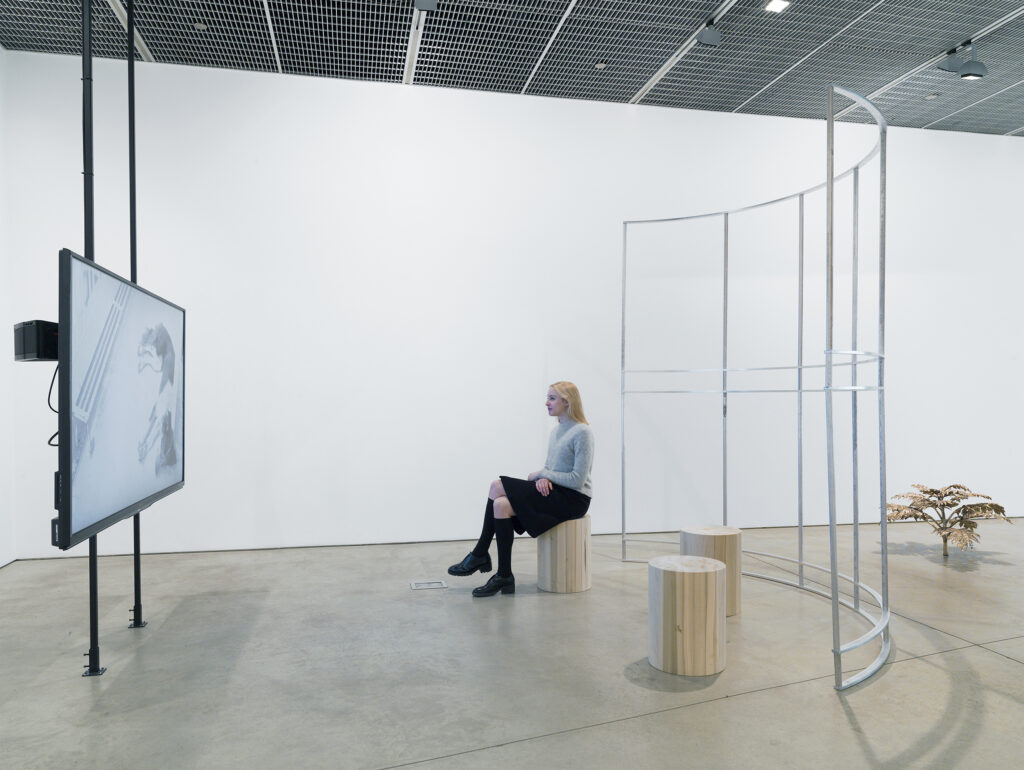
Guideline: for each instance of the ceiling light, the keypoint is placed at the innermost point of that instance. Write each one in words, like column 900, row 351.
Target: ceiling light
column 200, row 27
column 973, row 70
column 600, row 65
column 777, row 6
column 710, row 36
column 929, row 97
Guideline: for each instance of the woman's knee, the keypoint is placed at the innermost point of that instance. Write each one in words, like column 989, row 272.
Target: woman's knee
column 503, row 508
column 497, row 490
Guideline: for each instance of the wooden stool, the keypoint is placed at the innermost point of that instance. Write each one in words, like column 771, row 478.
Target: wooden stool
column 563, row 557
column 686, row 615
column 722, row 543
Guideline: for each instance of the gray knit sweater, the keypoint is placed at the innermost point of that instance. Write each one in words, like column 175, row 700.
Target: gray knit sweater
column 570, row 456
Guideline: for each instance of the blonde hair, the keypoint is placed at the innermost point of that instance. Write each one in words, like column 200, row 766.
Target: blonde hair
column 569, row 393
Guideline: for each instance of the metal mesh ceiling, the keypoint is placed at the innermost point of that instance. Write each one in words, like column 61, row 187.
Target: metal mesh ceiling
column 55, row 26
column 207, row 33
column 489, row 45
column 891, row 40
column 757, row 47
column 343, row 39
column 767, row 63
column 955, row 102
column 634, row 38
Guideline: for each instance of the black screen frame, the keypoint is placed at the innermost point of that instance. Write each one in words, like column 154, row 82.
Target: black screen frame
column 65, row 537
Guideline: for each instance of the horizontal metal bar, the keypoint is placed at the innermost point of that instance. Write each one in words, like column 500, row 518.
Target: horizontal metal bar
column 860, row 101
column 883, row 654
column 810, row 589
column 821, row 569
column 865, row 673
column 834, row 389
column 874, row 151
column 880, row 626
column 859, row 353
column 789, row 368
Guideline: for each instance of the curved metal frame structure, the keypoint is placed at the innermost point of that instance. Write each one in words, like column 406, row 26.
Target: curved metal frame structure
column 880, row 621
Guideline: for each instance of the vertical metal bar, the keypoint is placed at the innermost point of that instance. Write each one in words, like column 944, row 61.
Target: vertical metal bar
column 853, row 394
column 87, row 175
column 800, row 402
column 829, row 438
column 94, row 668
column 137, row 621
column 725, row 373
column 622, row 390
column 881, row 375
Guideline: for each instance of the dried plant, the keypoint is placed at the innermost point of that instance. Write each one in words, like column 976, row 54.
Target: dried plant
column 952, row 520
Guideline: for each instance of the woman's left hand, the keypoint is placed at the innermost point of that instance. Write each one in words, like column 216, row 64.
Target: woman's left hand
column 544, row 486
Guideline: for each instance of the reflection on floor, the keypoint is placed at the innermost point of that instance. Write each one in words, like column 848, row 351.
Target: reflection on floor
column 324, row 657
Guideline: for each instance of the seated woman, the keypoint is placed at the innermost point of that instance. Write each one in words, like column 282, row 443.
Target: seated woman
column 557, row 492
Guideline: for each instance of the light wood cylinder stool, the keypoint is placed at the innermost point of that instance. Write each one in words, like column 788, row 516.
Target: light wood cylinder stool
column 724, row 544
column 686, row 615
column 563, row 557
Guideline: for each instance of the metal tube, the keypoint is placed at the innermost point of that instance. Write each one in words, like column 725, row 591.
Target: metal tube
column 87, row 175
column 800, row 399
column 137, row 621
column 829, row 438
column 131, row 141
column 854, row 270
column 725, row 370
column 622, row 390
column 94, row 668
column 883, row 533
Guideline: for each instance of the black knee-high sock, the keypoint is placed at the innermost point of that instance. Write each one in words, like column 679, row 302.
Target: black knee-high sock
column 505, row 534
column 487, row 534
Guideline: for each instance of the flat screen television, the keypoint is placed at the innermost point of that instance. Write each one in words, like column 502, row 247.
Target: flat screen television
column 121, row 358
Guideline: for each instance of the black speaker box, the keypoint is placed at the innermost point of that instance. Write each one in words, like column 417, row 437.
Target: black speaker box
column 35, row 341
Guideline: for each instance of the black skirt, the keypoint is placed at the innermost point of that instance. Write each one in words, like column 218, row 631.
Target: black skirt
column 535, row 513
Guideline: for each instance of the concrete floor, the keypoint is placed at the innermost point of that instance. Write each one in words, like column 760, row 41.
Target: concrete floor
column 324, row 657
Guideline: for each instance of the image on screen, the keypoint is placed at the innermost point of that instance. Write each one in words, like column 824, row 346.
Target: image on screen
column 126, row 396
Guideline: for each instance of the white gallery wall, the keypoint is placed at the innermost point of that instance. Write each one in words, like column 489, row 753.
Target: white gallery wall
column 8, row 550
column 381, row 281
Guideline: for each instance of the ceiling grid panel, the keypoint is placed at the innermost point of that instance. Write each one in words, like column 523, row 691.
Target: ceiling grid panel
column 486, row 45
column 343, row 38
column 207, row 33
column 756, row 46
column 933, row 94
column 633, row 40
column 55, row 26
column 889, row 42
column 999, row 114
column 609, row 50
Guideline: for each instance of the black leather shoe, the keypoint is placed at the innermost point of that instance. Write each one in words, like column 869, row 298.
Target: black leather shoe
column 495, row 583
column 471, row 564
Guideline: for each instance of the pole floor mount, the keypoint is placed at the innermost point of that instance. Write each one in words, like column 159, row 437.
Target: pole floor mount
column 92, row 668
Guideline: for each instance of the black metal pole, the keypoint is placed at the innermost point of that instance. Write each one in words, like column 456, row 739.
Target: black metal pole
column 137, row 621
column 94, row 668
column 131, row 138
column 87, row 123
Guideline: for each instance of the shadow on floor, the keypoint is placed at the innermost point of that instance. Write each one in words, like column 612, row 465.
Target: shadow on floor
column 643, row 674
column 961, row 561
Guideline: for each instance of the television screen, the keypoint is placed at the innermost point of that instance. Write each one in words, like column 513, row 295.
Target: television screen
column 121, row 355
